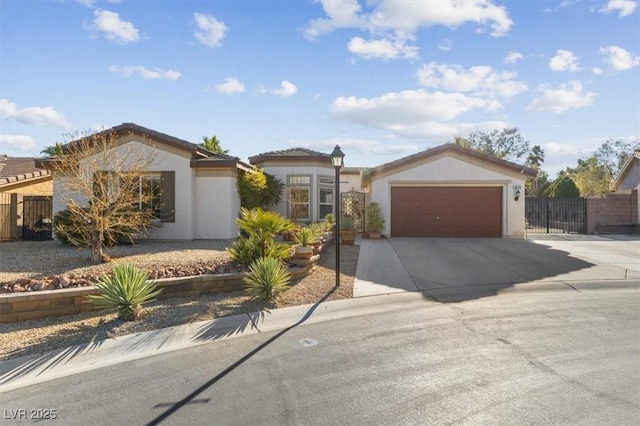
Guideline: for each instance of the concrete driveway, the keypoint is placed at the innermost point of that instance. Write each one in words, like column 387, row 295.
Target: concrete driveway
column 454, row 269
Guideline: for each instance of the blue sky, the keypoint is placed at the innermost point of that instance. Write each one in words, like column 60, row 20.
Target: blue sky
column 382, row 78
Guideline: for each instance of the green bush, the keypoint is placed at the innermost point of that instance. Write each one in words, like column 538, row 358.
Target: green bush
column 67, row 231
column 259, row 229
column 267, row 278
column 374, row 221
column 306, row 235
column 126, row 290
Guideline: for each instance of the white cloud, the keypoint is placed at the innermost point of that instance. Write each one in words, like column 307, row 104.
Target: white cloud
column 381, row 49
column 564, row 61
column 114, row 28
column 413, row 114
column 623, row 7
column 230, row 85
column 562, row 98
column 361, row 146
column 406, row 17
column 445, row 45
column 210, row 31
column 86, row 3
column 41, row 116
column 513, row 57
column 285, row 90
column 619, row 59
column 145, row 73
column 597, row 70
column 478, row 80
column 18, row 142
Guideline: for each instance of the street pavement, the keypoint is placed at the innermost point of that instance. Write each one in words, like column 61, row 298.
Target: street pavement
column 540, row 357
column 390, row 274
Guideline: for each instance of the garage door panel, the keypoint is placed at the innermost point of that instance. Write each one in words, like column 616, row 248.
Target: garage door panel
column 446, row 211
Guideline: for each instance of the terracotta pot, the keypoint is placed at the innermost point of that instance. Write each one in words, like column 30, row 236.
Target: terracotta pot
column 348, row 237
column 375, row 235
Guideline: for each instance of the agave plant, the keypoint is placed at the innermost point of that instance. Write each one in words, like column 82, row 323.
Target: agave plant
column 267, row 278
column 125, row 290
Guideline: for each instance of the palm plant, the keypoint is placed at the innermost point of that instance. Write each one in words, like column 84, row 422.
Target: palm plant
column 126, row 290
column 267, row 278
column 258, row 239
column 213, row 144
column 306, row 235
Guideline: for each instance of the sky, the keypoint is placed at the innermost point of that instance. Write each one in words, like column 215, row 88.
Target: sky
column 381, row 78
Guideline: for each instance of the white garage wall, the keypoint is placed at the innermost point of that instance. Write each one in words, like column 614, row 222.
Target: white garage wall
column 451, row 171
column 217, row 204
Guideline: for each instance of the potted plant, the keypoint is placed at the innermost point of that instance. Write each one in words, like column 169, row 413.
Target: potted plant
column 304, row 238
column 347, row 231
column 374, row 221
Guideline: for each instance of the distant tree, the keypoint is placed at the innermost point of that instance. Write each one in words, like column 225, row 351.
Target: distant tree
column 52, row 150
column 507, row 144
column 591, row 177
column 612, row 154
column 534, row 188
column 562, row 187
column 213, row 144
column 100, row 183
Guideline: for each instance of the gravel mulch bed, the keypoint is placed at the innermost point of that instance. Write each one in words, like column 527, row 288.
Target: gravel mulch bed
column 41, row 336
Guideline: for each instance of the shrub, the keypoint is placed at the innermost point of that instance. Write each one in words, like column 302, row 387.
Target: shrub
column 347, row 224
column 330, row 217
column 68, row 232
column 125, row 290
column 259, row 229
column 374, row 221
column 267, row 278
column 306, row 235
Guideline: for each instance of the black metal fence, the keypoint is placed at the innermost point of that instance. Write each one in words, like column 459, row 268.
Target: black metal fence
column 353, row 206
column 37, row 218
column 556, row 215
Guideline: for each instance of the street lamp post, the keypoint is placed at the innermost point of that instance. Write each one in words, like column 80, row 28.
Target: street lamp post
column 337, row 159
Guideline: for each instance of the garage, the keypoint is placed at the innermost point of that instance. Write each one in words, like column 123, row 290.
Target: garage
column 446, row 211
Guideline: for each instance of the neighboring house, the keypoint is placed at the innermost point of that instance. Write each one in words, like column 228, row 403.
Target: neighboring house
column 20, row 175
column 20, row 178
column 450, row 191
column 198, row 198
column 629, row 179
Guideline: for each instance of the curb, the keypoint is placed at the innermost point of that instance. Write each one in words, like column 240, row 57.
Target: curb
column 34, row 369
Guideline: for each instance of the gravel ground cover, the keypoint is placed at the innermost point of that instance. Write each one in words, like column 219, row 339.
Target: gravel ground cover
column 32, row 260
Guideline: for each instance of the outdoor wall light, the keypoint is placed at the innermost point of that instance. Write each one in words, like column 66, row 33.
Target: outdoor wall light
column 337, row 159
column 517, row 194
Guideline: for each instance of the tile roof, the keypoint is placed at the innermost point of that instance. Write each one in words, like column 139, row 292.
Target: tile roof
column 455, row 148
column 14, row 169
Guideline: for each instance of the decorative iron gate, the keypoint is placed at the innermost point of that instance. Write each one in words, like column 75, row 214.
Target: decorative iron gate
column 352, row 205
column 36, row 218
column 556, row 215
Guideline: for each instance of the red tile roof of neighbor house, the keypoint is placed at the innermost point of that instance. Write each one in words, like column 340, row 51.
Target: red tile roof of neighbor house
column 527, row 171
column 201, row 156
column 16, row 169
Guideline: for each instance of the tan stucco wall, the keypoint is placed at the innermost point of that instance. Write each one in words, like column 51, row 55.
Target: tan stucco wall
column 41, row 186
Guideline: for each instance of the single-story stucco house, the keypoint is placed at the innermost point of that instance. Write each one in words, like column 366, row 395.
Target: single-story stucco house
column 629, row 178
column 446, row 191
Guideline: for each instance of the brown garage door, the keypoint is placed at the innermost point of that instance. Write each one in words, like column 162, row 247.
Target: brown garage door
column 429, row 211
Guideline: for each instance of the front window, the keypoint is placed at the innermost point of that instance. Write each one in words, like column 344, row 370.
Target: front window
column 325, row 196
column 299, row 197
column 150, row 193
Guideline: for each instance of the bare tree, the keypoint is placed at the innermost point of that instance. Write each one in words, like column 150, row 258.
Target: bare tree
column 100, row 182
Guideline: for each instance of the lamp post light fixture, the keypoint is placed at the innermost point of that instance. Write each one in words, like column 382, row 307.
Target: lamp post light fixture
column 337, row 160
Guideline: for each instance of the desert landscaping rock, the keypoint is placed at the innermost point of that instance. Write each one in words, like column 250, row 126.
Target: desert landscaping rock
column 40, row 336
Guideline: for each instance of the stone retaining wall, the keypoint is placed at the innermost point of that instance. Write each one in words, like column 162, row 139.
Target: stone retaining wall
column 53, row 303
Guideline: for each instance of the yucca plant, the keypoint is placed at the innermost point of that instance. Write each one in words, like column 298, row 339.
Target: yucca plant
column 126, row 289
column 306, row 235
column 267, row 278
